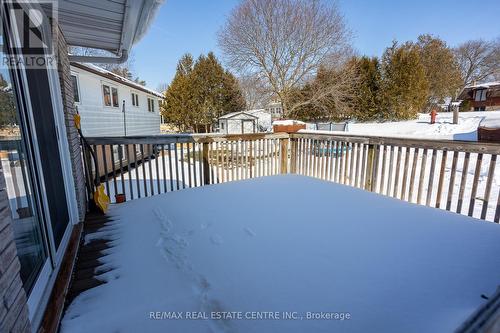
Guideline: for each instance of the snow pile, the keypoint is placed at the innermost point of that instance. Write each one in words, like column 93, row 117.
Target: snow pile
column 490, row 123
column 287, row 122
column 259, row 249
column 466, row 129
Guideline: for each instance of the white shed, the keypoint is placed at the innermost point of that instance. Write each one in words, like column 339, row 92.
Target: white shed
column 110, row 105
column 252, row 121
column 238, row 123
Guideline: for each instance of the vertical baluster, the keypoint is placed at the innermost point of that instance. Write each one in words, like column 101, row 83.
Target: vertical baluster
column 383, row 151
column 120, row 156
column 164, row 168
column 136, row 167
column 144, row 178
column 405, row 173
column 487, row 190
column 413, row 172
column 390, row 172
column 105, row 162
column 452, row 180
column 351, row 164
column 475, row 181
column 441, row 178
column 431, row 177
column 189, row 165
column 129, row 171
column 359, row 153
column 176, row 165
column 157, row 165
column 398, row 167
column 170, row 170
column 421, row 176
column 341, row 162
column 183, row 172
column 463, row 181
column 113, row 165
column 150, row 168
column 346, row 164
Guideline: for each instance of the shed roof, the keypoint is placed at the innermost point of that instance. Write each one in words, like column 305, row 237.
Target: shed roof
column 234, row 114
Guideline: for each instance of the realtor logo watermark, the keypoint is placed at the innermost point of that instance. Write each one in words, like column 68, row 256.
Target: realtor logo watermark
column 31, row 33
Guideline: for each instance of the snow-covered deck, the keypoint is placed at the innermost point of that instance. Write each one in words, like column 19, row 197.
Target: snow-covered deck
column 283, row 248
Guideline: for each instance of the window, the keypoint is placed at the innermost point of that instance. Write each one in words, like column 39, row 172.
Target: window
column 107, row 95
column 222, row 125
column 76, row 93
column 135, row 99
column 151, row 105
column 110, row 95
column 480, row 95
column 114, row 93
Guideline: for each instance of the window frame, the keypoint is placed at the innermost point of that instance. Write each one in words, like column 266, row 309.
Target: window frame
column 135, row 99
column 78, row 90
column 151, row 104
column 110, row 87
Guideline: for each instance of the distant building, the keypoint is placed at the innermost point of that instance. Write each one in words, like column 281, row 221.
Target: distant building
column 275, row 109
column 243, row 122
column 111, row 105
column 482, row 97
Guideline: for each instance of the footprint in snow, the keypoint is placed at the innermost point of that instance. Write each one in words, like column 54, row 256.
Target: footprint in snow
column 205, row 225
column 216, row 239
column 159, row 214
column 249, row 231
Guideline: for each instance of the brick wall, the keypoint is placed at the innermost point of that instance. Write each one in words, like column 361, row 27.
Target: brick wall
column 66, row 84
column 13, row 307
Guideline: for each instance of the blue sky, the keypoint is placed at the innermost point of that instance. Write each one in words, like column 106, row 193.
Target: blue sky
column 191, row 26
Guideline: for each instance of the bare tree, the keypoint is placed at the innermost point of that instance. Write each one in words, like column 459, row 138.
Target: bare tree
column 283, row 41
column 479, row 60
column 329, row 96
column 255, row 91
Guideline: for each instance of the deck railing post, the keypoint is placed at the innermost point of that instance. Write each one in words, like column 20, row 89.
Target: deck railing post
column 284, row 156
column 206, row 164
column 369, row 167
column 293, row 155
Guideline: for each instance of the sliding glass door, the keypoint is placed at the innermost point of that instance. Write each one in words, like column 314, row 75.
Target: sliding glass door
column 18, row 177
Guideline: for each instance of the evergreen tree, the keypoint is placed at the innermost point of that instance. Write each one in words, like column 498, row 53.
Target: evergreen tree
column 441, row 69
column 200, row 93
column 404, row 84
column 367, row 100
column 178, row 107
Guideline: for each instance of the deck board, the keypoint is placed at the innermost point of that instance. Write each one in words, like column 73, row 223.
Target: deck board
column 88, row 265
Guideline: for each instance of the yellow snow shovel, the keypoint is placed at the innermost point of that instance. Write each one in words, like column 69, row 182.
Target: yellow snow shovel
column 101, row 200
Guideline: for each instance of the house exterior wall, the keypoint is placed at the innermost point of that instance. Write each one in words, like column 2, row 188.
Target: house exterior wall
column 63, row 68
column 13, row 308
column 491, row 103
column 100, row 120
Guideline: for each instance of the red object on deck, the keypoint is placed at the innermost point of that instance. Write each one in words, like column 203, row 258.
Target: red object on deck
column 433, row 116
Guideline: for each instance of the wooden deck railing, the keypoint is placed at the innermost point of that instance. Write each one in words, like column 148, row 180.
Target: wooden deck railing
column 457, row 176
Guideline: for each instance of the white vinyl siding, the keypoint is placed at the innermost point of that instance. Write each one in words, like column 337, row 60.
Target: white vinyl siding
column 97, row 119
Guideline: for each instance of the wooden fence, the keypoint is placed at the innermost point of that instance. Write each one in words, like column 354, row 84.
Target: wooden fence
column 457, row 176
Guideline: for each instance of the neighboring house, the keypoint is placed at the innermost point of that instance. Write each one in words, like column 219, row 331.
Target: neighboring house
column 252, row 121
column 110, row 105
column 482, row 97
column 42, row 180
column 275, row 109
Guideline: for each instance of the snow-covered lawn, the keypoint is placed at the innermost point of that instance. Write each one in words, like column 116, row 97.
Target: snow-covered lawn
column 466, row 129
column 288, row 246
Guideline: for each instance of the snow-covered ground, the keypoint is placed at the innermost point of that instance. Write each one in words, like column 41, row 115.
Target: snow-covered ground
column 466, row 129
column 265, row 248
